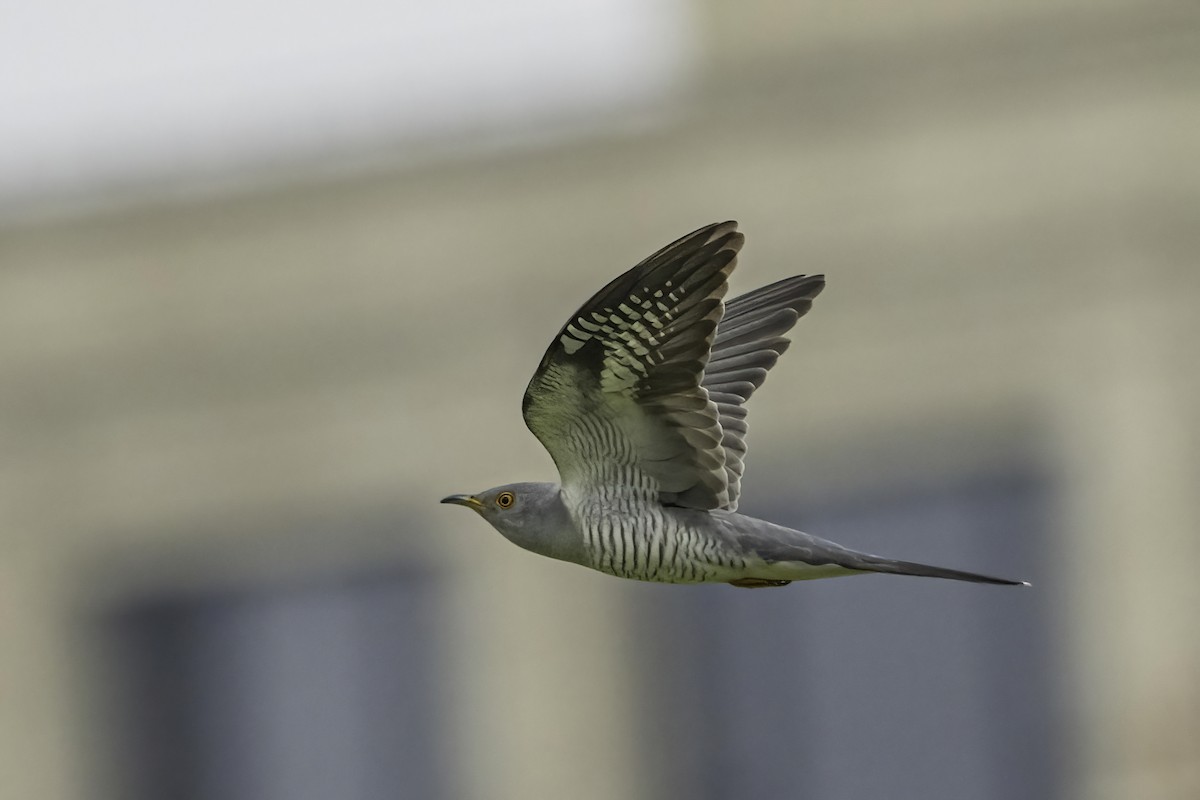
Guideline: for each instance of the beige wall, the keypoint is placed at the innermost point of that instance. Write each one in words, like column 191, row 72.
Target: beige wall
column 1005, row 201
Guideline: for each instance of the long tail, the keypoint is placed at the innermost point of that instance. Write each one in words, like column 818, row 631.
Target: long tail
column 779, row 546
column 871, row 563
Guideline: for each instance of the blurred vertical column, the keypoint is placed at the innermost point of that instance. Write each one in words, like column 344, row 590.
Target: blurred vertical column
column 1134, row 432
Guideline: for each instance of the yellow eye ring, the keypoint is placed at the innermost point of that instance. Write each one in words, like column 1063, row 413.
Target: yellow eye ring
column 506, row 499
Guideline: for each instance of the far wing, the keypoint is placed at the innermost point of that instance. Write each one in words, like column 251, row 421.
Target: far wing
column 749, row 340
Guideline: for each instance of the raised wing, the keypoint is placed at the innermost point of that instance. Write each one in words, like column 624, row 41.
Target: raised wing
column 749, row 340
column 617, row 399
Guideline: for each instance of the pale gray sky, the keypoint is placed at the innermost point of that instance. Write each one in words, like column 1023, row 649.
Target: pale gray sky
column 138, row 91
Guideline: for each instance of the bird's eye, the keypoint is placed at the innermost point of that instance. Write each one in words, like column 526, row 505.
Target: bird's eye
column 506, row 499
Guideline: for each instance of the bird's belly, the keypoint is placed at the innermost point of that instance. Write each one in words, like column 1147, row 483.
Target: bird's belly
column 656, row 549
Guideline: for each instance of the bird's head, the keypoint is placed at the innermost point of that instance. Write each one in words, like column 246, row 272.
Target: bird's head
column 530, row 515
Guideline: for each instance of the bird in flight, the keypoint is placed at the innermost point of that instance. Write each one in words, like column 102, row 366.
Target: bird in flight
column 641, row 402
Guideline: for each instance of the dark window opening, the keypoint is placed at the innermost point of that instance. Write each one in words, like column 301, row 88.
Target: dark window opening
column 316, row 690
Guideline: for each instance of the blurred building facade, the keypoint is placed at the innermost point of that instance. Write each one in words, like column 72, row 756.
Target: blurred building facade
column 227, row 421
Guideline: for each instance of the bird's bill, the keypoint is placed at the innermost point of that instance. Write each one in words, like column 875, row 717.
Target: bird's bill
column 468, row 500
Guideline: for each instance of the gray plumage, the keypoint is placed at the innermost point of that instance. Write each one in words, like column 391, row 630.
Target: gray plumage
column 640, row 400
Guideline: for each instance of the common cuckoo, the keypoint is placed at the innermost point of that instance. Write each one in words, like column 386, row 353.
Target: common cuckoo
column 641, row 402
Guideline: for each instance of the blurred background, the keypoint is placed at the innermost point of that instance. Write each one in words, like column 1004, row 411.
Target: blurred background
column 273, row 278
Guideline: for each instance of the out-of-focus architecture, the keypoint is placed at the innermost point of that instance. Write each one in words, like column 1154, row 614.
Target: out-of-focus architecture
column 226, row 421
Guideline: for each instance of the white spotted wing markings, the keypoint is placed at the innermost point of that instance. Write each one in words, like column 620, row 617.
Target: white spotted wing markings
column 628, row 337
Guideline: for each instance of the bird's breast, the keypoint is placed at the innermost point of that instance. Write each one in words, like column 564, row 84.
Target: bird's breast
column 645, row 541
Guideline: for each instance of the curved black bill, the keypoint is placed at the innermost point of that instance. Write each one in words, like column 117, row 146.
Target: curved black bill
column 462, row 500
